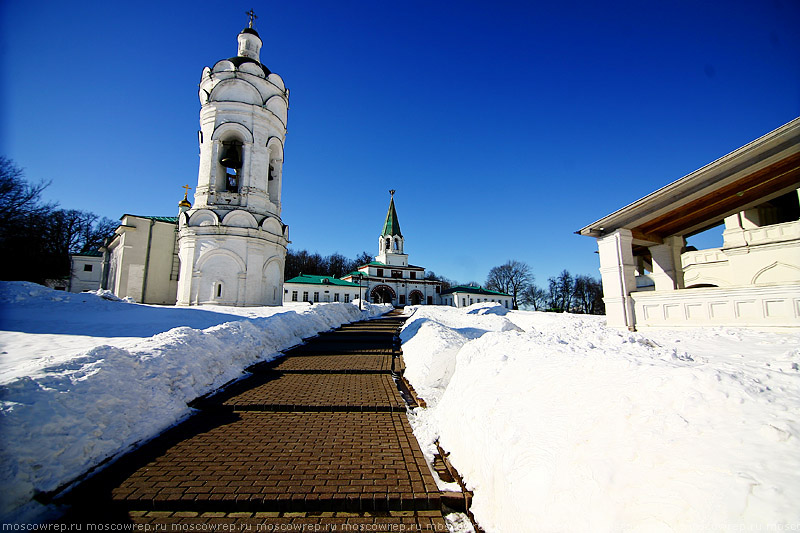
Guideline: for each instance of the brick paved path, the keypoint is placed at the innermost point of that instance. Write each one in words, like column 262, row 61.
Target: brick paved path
column 315, row 441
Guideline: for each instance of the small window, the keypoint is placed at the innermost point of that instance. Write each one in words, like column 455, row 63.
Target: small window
column 316, row 297
column 305, row 296
column 413, row 275
column 471, row 301
column 294, row 296
column 347, row 298
column 463, row 302
column 430, row 300
column 380, row 272
column 335, row 296
column 402, row 299
column 438, row 288
column 87, row 268
column 397, row 274
column 219, row 290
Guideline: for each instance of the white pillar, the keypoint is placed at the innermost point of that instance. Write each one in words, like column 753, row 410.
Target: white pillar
column 733, row 236
column 667, row 271
column 617, row 269
column 186, row 256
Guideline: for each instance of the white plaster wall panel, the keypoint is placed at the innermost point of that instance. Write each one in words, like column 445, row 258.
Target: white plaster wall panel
column 777, row 273
column 780, row 308
column 203, row 217
column 272, row 225
column 235, row 90
column 765, row 306
column 277, row 81
column 277, row 105
column 160, row 287
column 241, row 219
column 746, row 309
column 251, row 68
column 273, row 280
column 135, row 279
column 720, row 310
column 222, row 67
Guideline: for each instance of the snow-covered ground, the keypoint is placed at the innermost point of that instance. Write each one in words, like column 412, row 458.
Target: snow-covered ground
column 84, row 377
column 560, row 424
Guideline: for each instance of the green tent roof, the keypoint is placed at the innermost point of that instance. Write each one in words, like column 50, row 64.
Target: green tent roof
column 391, row 227
column 320, row 280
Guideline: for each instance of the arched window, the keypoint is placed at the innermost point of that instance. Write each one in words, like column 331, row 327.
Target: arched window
column 231, row 161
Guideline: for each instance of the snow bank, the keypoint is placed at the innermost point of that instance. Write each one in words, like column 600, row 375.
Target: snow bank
column 571, row 426
column 73, row 409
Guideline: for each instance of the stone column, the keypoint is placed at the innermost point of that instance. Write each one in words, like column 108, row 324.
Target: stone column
column 186, row 253
column 667, row 270
column 733, row 236
column 617, row 269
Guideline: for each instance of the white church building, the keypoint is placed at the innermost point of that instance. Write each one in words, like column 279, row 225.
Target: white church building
column 230, row 247
column 651, row 278
column 390, row 278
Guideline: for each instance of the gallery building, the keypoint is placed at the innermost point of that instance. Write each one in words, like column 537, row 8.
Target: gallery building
column 651, row 278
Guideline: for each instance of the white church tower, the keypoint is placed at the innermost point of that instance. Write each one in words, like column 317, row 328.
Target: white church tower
column 232, row 242
column 390, row 243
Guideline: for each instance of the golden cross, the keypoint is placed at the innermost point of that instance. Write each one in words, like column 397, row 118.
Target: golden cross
column 252, row 16
column 391, row 191
column 187, row 189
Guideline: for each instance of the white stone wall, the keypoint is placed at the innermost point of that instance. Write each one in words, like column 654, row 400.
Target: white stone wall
column 326, row 293
column 224, row 264
column 82, row 279
column 465, row 299
column 753, row 256
column 764, row 307
column 142, row 259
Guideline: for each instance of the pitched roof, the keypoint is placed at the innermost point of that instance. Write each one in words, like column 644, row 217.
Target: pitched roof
column 169, row 220
column 391, row 227
column 310, row 279
column 473, row 290
column 764, row 168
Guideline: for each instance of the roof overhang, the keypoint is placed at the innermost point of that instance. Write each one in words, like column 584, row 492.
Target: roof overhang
column 755, row 173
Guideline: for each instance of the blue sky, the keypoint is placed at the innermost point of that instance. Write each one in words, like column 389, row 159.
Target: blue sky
column 503, row 126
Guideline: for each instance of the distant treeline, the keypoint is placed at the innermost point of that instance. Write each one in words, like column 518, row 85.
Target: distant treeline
column 36, row 237
column 565, row 292
column 336, row 265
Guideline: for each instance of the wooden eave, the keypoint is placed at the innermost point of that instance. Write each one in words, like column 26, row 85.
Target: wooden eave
column 763, row 169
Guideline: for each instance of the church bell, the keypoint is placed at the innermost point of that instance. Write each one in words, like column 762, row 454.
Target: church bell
column 230, row 158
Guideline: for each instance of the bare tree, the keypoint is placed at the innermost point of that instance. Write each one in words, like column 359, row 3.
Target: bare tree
column 535, row 297
column 337, row 265
column 364, row 258
column 512, row 278
column 446, row 283
column 561, row 292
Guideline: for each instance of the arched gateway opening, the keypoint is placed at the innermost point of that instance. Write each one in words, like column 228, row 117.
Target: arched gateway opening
column 383, row 294
column 415, row 297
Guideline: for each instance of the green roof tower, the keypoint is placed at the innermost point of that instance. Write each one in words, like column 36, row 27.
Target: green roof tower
column 391, row 227
column 390, row 243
